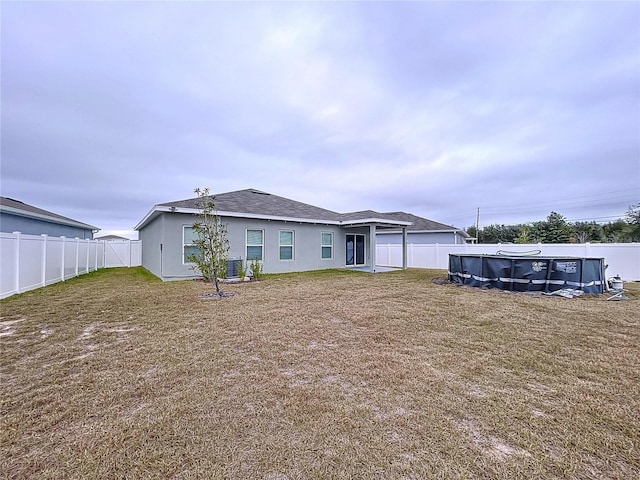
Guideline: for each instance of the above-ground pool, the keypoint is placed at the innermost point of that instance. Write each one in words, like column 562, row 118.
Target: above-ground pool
column 528, row 273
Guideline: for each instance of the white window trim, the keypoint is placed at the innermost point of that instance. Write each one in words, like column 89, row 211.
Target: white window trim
column 293, row 243
column 247, row 245
column 184, row 261
column 322, row 245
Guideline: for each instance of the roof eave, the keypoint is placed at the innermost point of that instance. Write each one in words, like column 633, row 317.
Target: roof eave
column 39, row 216
column 376, row 221
column 449, row 230
column 158, row 209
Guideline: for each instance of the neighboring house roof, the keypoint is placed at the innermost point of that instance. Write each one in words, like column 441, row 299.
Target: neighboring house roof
column 111, row 237
column 252, row 203
column 16, row 207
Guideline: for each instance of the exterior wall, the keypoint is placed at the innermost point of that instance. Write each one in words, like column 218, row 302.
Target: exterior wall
column 152, row 245
column 31, row 226
column 419, row 238
column 167, row 229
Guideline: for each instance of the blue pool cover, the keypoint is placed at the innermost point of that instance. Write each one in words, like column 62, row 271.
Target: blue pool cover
column 529, row 273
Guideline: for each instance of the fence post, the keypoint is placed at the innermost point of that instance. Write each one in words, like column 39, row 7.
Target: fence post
column 16, row 277
column 95, row 243
column 64, row 243
column 44, row 259
column 77, row 254
column 437, row 255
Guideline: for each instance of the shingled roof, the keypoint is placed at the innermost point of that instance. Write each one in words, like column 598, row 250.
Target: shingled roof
column 254, row 202
column 417, row 223
column 16, row 207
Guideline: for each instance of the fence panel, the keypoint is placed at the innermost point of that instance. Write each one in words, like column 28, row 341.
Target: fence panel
column 69, row 258
column 53, row 265
column 8, row 246
column 32, row 261
column 83, row 257
column 122, row 253
column 30, row 256
column 622, row 258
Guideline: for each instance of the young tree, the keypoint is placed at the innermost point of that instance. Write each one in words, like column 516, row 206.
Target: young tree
column 212, row 242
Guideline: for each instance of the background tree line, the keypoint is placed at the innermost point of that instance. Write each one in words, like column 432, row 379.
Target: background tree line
column 557, row 229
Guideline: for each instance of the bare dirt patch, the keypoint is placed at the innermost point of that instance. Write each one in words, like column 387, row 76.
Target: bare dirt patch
column 8, row 327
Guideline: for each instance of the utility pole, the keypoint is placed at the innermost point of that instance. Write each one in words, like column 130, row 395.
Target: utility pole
column 477, row 224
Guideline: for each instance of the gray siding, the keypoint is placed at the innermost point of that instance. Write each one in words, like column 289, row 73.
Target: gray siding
column 31, row 226
column 420, row 238
column 167, row 229
column 152, row 243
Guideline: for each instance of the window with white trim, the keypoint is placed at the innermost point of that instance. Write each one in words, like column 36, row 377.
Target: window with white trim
column 255, row 245
column 286, row 245
column 327, row 245
column 189, row 236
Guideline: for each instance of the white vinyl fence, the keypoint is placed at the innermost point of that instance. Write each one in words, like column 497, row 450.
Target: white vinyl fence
column 33, row 261
column 622, row 258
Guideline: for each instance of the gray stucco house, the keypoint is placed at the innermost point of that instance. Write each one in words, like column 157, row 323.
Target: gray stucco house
column 17, row 216
column 284, row 235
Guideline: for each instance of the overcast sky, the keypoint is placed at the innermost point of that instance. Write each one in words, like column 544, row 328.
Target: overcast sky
column 434, row 108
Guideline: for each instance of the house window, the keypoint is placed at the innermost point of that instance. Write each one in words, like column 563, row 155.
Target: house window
column 255, row 244
column 286, row 245
column 327, row 245
column 189, row 236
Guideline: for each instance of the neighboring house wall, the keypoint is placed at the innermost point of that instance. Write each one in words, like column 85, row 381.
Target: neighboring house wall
column 31, row 226
column 152, row 241
column 420, row 237
column 168, row 229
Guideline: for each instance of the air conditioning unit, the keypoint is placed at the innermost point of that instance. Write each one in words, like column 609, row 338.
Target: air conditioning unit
column 233, row 267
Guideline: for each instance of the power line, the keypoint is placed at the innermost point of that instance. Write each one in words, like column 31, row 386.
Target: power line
column 568, row 203
column 563, row 202
column 588, row 219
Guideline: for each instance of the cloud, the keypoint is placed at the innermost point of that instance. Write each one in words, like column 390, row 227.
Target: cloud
column 434, row 108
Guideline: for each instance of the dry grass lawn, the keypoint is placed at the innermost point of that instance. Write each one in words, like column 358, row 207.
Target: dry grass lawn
column 319, row 375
